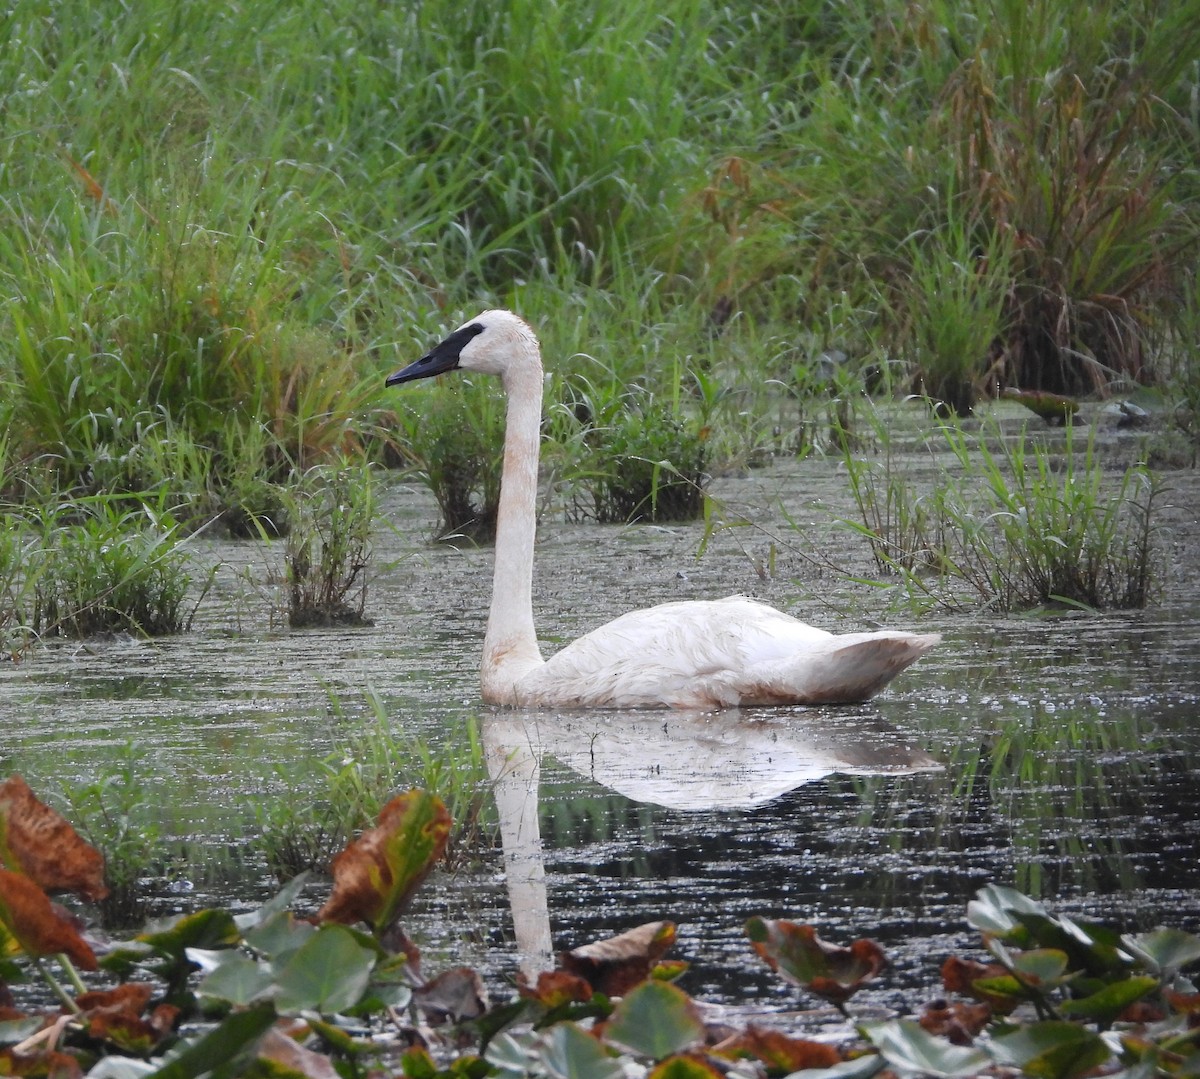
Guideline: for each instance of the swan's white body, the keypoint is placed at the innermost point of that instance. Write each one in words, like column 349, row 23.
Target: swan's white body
column 707, row 654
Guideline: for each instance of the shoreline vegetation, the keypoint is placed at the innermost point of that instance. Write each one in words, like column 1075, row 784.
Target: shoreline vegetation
column 733, row 230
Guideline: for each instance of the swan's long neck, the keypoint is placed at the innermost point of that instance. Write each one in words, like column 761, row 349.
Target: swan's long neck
column 510, row 647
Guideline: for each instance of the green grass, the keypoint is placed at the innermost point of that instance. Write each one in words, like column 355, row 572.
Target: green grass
column 224, row 225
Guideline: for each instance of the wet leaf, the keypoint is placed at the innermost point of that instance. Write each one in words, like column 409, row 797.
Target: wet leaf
column 293, row 1059
column 684, row 1067
column 327, row 974
column 800, row 956
column 1051, row 1049
column 905, row 1046
column 37, row 841
column 453, row 995
column 656, row 1020
column 203, row 929
column 571, row 1053
column 990, row 983
column 780, row 1052
column 555, row 988
column 958, row 1021
column 1164, row 950
column 116, row 1016
column 33, row 922
column 231, row 1040
column 279, row 935
column 1040, row 967
column 376, row 875
column 617, row 964
column 1106, row 1004
column 38, row 1065
column 994, row 911
column 236, row 979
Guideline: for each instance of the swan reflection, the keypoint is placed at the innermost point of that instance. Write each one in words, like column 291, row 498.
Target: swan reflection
column 682, row 760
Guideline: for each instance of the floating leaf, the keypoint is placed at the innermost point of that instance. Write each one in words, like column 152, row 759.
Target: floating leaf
column 1104, row 1005
column 453, row 995
column 908, row 1048
column 287, row 1058
column 33, row 922
column 37, row 841
column 799, row 955
column 376, row 875
column 555, row 988
column 236, row 979
column 684, row 1067
column 328, row 973
column 1164, row 950
column 1052, row 1049
column 571, row 1053
column 957, row 1021
column 656, row 1019
column 990, row 983
column 232, row 1039
column 115, row 1016
column 615, row 965
column 779, row 1051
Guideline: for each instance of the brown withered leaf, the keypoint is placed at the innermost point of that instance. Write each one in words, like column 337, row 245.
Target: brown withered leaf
column 554, row 988
column 960, row 976
column 35, row 923
column 957, row 1021
column 37, row 841
column 115, row 1016
column 799, row 955
column 292, row 1059
column 615, row 965
column 376, row 875
column 781, row 1053
column 47, row 1064
column 454, row 995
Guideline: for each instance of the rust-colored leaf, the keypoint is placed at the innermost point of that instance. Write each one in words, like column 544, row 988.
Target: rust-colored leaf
column 957, row 1021
column 92, row 186
column 37, row 841
column 961, row 976
column 615, row 965
column 831, row 971
column 778, row 1051
column 554, row 988
column 36, row 924
column 376, row 875
column 454, row 995
column 115, row 1016
column 47, row 1064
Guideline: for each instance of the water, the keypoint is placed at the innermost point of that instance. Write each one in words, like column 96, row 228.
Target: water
column 1061, row 754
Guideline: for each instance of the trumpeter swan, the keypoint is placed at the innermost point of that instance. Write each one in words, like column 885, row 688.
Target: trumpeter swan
column 695, row 654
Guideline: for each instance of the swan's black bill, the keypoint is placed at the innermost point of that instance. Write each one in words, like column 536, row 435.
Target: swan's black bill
column 439, row 359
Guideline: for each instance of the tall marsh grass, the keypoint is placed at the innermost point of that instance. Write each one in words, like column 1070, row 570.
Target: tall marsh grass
column 1012, row 524
column 223, row 224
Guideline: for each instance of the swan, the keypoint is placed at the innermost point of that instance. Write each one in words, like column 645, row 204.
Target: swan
column 694, row 654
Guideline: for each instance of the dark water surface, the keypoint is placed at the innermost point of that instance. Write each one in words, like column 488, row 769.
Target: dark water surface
column 1060, row 755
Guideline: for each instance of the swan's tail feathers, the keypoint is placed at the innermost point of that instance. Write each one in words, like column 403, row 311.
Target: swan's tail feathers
column 856, row 667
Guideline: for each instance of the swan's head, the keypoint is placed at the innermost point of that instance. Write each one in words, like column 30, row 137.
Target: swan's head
column 494, row 343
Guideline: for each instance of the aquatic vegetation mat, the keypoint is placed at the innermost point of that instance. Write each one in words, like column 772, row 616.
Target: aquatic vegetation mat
column 344, row 989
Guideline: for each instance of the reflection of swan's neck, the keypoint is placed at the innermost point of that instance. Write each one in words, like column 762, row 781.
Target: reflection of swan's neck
column 510, row 647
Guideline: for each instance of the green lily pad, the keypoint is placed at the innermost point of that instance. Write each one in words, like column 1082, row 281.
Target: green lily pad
column 657, row 1019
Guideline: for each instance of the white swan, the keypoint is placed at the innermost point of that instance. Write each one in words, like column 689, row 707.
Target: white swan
column 697, row 654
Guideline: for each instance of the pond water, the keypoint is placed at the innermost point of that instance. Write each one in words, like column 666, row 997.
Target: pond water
column 1059, row 754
